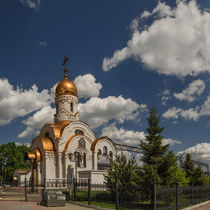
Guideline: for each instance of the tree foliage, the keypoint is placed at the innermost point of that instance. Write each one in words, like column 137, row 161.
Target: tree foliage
column 195, row 174
column 125, row 173
column 159, row 163
column 11, row 158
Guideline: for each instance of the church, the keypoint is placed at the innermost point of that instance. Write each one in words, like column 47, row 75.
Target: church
column 68, row 148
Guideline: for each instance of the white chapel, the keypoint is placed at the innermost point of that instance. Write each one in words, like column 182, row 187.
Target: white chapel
column 68, row 148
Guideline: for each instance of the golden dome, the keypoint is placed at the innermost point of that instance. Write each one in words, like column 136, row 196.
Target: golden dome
column 66, row 87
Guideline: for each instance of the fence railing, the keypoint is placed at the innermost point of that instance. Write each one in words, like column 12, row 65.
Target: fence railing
column 162, row 199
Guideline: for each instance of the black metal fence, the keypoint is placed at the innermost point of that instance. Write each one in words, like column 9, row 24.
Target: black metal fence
column 163, row 198
column 22, row 191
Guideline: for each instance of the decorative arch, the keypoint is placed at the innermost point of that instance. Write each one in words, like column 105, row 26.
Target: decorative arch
column 93, row 145
column 68, row 141
column 38, row 154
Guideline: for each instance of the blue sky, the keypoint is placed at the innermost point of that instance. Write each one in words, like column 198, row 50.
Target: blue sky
column 124, row 56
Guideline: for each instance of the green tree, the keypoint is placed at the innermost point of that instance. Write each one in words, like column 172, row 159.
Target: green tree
column 159, row 164
column 125, row 172
column 198, row 177
column 188, row 166
column 195, row 174
column 169, row 171
column 11, row 158
column 152, row 148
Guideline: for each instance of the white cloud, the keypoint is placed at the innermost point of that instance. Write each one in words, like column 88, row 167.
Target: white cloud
column 171, row 141
column 37, row 121
column 87, row 86
column 19, row 102
column 176, row 43
column 192, row 92
column 123, row 136
column 20, row 144
column 42, row 43
column 199, row 151
column 130, row 137
column 97, row 111
column 189, row 114
column 162, row 10
column 175, row 113
column 33, row 4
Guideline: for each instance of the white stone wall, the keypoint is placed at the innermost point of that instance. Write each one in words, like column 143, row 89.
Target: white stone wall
column 70, row 131
column 50, row 165
column 97, row 177
column 63, row 108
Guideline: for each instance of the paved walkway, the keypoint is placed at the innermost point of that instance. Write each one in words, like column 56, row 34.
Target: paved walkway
column 204, row 207
column 18, row 205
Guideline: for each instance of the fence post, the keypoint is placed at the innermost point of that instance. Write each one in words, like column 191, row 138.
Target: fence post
column 117, row 196
column 44, row 184
column 74, row 186
column 177, row 196
column 89, row 190
column 191, row 193
column 154, row 195
column 26, row 198
column 209, row 190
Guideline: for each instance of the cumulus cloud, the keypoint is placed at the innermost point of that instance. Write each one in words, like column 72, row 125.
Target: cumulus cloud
column 17, row 102
column 36, row 121
column 162, row 10
column 192, row 92
column 176, row 43
column 97, row 111
column 130, row 137
column 171, row 141
column 33, row 4
column 20, row 144
column 87, row 86
column 199, row 151
column 122, row 135
column 189, row 114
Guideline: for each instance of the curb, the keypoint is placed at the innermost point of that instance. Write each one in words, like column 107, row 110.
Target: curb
column 87, row 206
column 197, row 206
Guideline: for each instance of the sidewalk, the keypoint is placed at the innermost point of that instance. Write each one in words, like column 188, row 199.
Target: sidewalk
column 202, row 206
column 19, row 205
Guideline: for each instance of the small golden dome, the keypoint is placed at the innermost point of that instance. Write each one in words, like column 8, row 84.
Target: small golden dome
column 66, row 87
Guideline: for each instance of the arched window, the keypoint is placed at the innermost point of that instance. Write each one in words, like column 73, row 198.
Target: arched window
column 104, row 150
column 72, row 107
column 79, row 132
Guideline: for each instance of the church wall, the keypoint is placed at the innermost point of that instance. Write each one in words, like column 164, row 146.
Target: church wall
column 50, row 165
column 70, row 131
column 97, row 177
column 74, row 146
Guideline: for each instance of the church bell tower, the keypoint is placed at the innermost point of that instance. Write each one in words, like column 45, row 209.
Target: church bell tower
column 66, row 99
